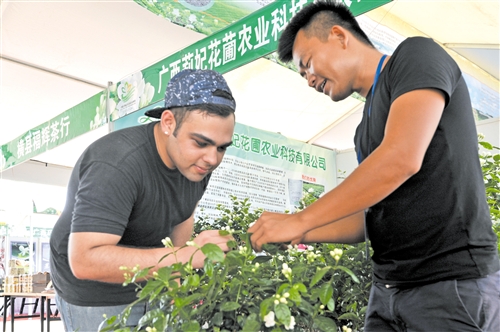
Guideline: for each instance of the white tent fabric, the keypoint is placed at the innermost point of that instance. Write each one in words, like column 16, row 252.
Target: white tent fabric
column 55, row 54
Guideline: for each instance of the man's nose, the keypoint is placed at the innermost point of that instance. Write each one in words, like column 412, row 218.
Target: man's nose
column 311, row 80
column 212, row 156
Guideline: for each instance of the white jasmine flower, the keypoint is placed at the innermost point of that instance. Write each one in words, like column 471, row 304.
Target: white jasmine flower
column 269, row 319
column 286, row 270
column 167, row 242
column 190, row 243
column 291, row 325
column 336, row 254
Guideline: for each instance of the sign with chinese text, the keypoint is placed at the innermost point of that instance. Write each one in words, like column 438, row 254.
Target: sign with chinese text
column 74, row 122
column 244, row 41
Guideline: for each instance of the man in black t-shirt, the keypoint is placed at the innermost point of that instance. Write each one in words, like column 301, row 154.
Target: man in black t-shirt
column 133, row 188
column 419, row 178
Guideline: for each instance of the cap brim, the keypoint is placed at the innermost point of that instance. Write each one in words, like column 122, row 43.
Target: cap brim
column 155, row 112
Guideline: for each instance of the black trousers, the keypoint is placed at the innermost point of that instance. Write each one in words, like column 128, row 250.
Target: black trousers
column 445, row 306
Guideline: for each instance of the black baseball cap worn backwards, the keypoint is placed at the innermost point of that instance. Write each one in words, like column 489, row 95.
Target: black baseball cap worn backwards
column 194, row 87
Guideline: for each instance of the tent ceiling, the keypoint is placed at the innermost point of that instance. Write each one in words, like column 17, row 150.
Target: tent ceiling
column 55, row 54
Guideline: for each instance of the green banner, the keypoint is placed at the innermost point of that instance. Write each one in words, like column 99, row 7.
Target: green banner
column 244, row 41
column 74, row 122
column 237, row 44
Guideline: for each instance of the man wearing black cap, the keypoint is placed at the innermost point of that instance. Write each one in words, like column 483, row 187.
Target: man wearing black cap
column 133, row 188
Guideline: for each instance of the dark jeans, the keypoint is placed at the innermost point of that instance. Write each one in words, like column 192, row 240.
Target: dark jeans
column 445, row 306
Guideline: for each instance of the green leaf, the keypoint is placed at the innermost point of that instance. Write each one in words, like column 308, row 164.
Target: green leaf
column 326, row 292
column 142, row 273
column 283, row 287
column 331, row 305
column 350, row 316
column 164, row 273
column 209, row 268
column 325, row 324
column 234, row 258
column 150, row 315
column 349, row 272
column 282, row 312
column 149, row 288
column 264, row 306
column 306, row 307
column 229, row 306
column 261, row 259
column 270, row 248
column 213, row 252
column 319, row 275
column 486, row 145
column 194, row 280
column 301, row 287
column 223, row 233
column 232, row 244
column 252, row 324
column 217, row 319
column 191, row 326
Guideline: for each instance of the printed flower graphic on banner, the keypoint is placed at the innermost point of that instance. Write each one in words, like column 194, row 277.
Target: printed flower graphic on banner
column 132, row 94
column 100, row 113
column 3, row 161
column 5, row 155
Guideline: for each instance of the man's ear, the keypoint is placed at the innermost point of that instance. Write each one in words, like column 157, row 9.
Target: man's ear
column 339, row 35
column 167, row 122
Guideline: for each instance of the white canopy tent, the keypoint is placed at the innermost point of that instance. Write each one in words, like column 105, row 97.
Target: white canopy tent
column 55, row 54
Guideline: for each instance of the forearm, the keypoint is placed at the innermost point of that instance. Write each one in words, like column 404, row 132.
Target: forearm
column 348, row 230
column 102, row 263
column 373, row 180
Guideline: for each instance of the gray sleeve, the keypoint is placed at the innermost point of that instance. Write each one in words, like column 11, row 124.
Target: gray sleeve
column 104, row 199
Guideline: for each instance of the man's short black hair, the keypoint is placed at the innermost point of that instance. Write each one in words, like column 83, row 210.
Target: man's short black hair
column 316, row 19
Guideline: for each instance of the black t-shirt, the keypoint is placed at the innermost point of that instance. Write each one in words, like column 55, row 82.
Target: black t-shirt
column 119, row 186
column 436, row 225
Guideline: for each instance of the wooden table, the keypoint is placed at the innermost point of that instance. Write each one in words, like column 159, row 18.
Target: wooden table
column 12, row 296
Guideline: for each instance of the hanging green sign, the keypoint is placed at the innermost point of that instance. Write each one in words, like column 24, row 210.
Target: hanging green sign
column 74, row 122
column 242, row 42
